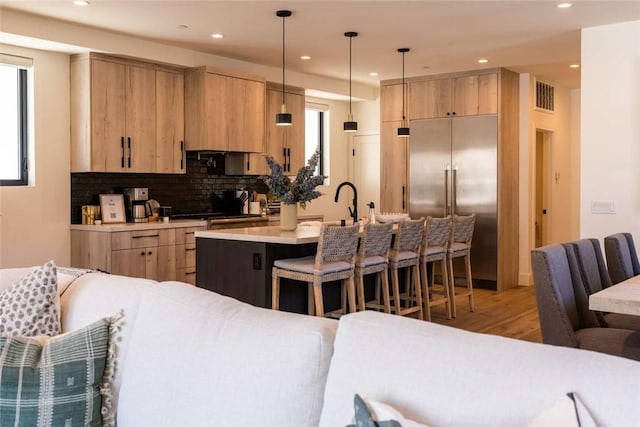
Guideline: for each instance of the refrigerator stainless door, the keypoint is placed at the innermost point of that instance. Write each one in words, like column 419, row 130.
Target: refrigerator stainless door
column 429, row 161
column 475, row 183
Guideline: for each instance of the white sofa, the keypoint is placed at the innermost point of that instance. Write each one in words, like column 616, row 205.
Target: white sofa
column 189, row 357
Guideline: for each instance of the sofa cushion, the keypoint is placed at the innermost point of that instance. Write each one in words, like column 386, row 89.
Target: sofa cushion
column 30, row 306
column 197, row 358
column 58, row 381
column 443, row 376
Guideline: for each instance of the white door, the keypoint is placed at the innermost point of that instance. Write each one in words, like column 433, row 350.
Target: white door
column 366, row 171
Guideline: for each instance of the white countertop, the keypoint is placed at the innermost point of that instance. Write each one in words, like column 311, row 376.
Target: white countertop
column 301, row 216
column 129, row 226
column 270, row 234
column 621, row 298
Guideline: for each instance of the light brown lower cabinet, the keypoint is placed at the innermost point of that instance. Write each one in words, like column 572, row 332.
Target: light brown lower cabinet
column 157, row 254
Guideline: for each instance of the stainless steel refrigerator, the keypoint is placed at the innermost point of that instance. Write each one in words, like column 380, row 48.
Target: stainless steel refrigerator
column 453, row 170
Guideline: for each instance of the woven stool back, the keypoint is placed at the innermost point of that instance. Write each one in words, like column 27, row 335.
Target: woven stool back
column 409, row 236
column 376, row 240
column 437, row 232
column 462, row 228
column 337, row 243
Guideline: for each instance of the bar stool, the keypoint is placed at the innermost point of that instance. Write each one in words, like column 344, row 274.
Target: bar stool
column 460, row 246
column 405, row 253
column 373, row 258
column 434, row 248
column 334, row 260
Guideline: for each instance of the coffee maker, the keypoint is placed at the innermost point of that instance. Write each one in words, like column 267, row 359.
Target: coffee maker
column 135, row 200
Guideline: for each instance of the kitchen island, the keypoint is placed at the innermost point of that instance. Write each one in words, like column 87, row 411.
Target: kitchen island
column 237, row 263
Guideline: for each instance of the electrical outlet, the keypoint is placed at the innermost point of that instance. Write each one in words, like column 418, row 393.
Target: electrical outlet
column 603, row 207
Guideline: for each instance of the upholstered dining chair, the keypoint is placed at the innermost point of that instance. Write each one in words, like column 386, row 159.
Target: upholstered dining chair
column 561, row 323
column 405, row 253
column 622, row 259
column 460, row 247
column 590, row 275
column 334, row 260
column 373, row 258
column 434, row 248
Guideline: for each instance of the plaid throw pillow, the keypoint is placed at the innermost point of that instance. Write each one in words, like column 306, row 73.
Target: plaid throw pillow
column 62, row 381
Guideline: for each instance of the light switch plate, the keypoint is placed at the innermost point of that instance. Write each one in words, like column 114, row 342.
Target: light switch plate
column 603, row 207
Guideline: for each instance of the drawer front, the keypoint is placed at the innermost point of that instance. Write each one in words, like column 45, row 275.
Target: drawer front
column 186, row 235
column 142, row 239
column 186, row 256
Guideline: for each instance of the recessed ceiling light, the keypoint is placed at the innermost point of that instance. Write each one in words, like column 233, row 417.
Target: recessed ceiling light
column 373, row 74
column 81, row 3
column 217, row 36
column 574, row 66
column 563, row 5
column 305, row 57
column 483, row 61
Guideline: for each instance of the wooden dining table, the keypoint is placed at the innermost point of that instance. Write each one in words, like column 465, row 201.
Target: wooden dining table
column 623, row 298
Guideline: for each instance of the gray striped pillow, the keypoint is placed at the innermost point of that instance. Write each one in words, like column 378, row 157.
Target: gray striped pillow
column 60, row 381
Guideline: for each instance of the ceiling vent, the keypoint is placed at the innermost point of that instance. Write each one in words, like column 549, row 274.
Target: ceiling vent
column 544, row 96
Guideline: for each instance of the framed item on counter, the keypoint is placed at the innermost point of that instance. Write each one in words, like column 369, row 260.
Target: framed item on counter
column 112, row 208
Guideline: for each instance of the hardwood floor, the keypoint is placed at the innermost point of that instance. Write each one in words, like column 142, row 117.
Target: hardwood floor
column 511, row 313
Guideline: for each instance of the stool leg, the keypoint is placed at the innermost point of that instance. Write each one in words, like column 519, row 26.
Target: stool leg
column 445, row 285
column 360, row 285
column 425, row 289
column 317, row 294
column 467, row 264
column 275, row 292
column 351, row 294
column 377, row 288
column 416, row 285
column 385, row 291
column 311, row 307
column 396, row 290
column 452, row 288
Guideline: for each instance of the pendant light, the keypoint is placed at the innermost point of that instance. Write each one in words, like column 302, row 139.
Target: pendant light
column 403, row 130
column 350, row 125
column 283, row 118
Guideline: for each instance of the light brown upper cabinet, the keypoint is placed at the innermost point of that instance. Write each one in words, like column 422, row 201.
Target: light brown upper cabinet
column 170, row 149
column 464, row 95
column 117, row 124
column 391, row 102
column 224, row 111
column 286, row 143
column 393, row 168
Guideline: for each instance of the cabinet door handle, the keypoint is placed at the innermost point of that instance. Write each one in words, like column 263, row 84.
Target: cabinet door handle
column 190, row 249
column 190, row 232
column 142, row 253
column 149, row 253
column 142, row 237
column 181, row 155
column 248, row 165
column 122, row 147
column 284, row 154
column 189, row 273
column 129, row 144
column 404, row 193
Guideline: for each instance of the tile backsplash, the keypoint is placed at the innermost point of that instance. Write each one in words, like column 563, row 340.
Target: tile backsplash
column 190, row 192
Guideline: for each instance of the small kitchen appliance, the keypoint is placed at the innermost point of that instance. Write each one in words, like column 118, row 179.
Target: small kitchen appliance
column 135, row 200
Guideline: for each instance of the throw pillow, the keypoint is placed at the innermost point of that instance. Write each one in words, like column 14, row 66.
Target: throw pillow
column 31, row 306
column 59, row 381
column 377, row 414
column 569, row 411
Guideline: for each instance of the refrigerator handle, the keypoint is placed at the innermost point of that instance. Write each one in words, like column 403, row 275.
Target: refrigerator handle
column 446, row 191
column 454, row 188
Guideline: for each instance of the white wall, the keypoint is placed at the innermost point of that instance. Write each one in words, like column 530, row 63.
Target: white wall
column 34, row 220
column 563, row 208
column 610, row 128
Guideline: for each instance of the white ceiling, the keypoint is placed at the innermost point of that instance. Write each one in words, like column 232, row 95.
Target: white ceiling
column 444, row 36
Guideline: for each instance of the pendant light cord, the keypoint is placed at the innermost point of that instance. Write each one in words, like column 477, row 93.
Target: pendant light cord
column 350, row 40
column 403, row 117
column 283, row 19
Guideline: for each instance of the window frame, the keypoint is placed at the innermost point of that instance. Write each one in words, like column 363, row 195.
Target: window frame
column 23, row 127
column 321, row 110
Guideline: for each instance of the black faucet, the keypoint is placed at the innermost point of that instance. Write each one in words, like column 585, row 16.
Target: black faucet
column 352, row 212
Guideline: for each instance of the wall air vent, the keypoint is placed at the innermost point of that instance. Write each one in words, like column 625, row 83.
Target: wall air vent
column 544, row 96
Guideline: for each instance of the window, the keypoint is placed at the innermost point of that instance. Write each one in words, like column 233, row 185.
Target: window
column 316, row 122
column 13, row 122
